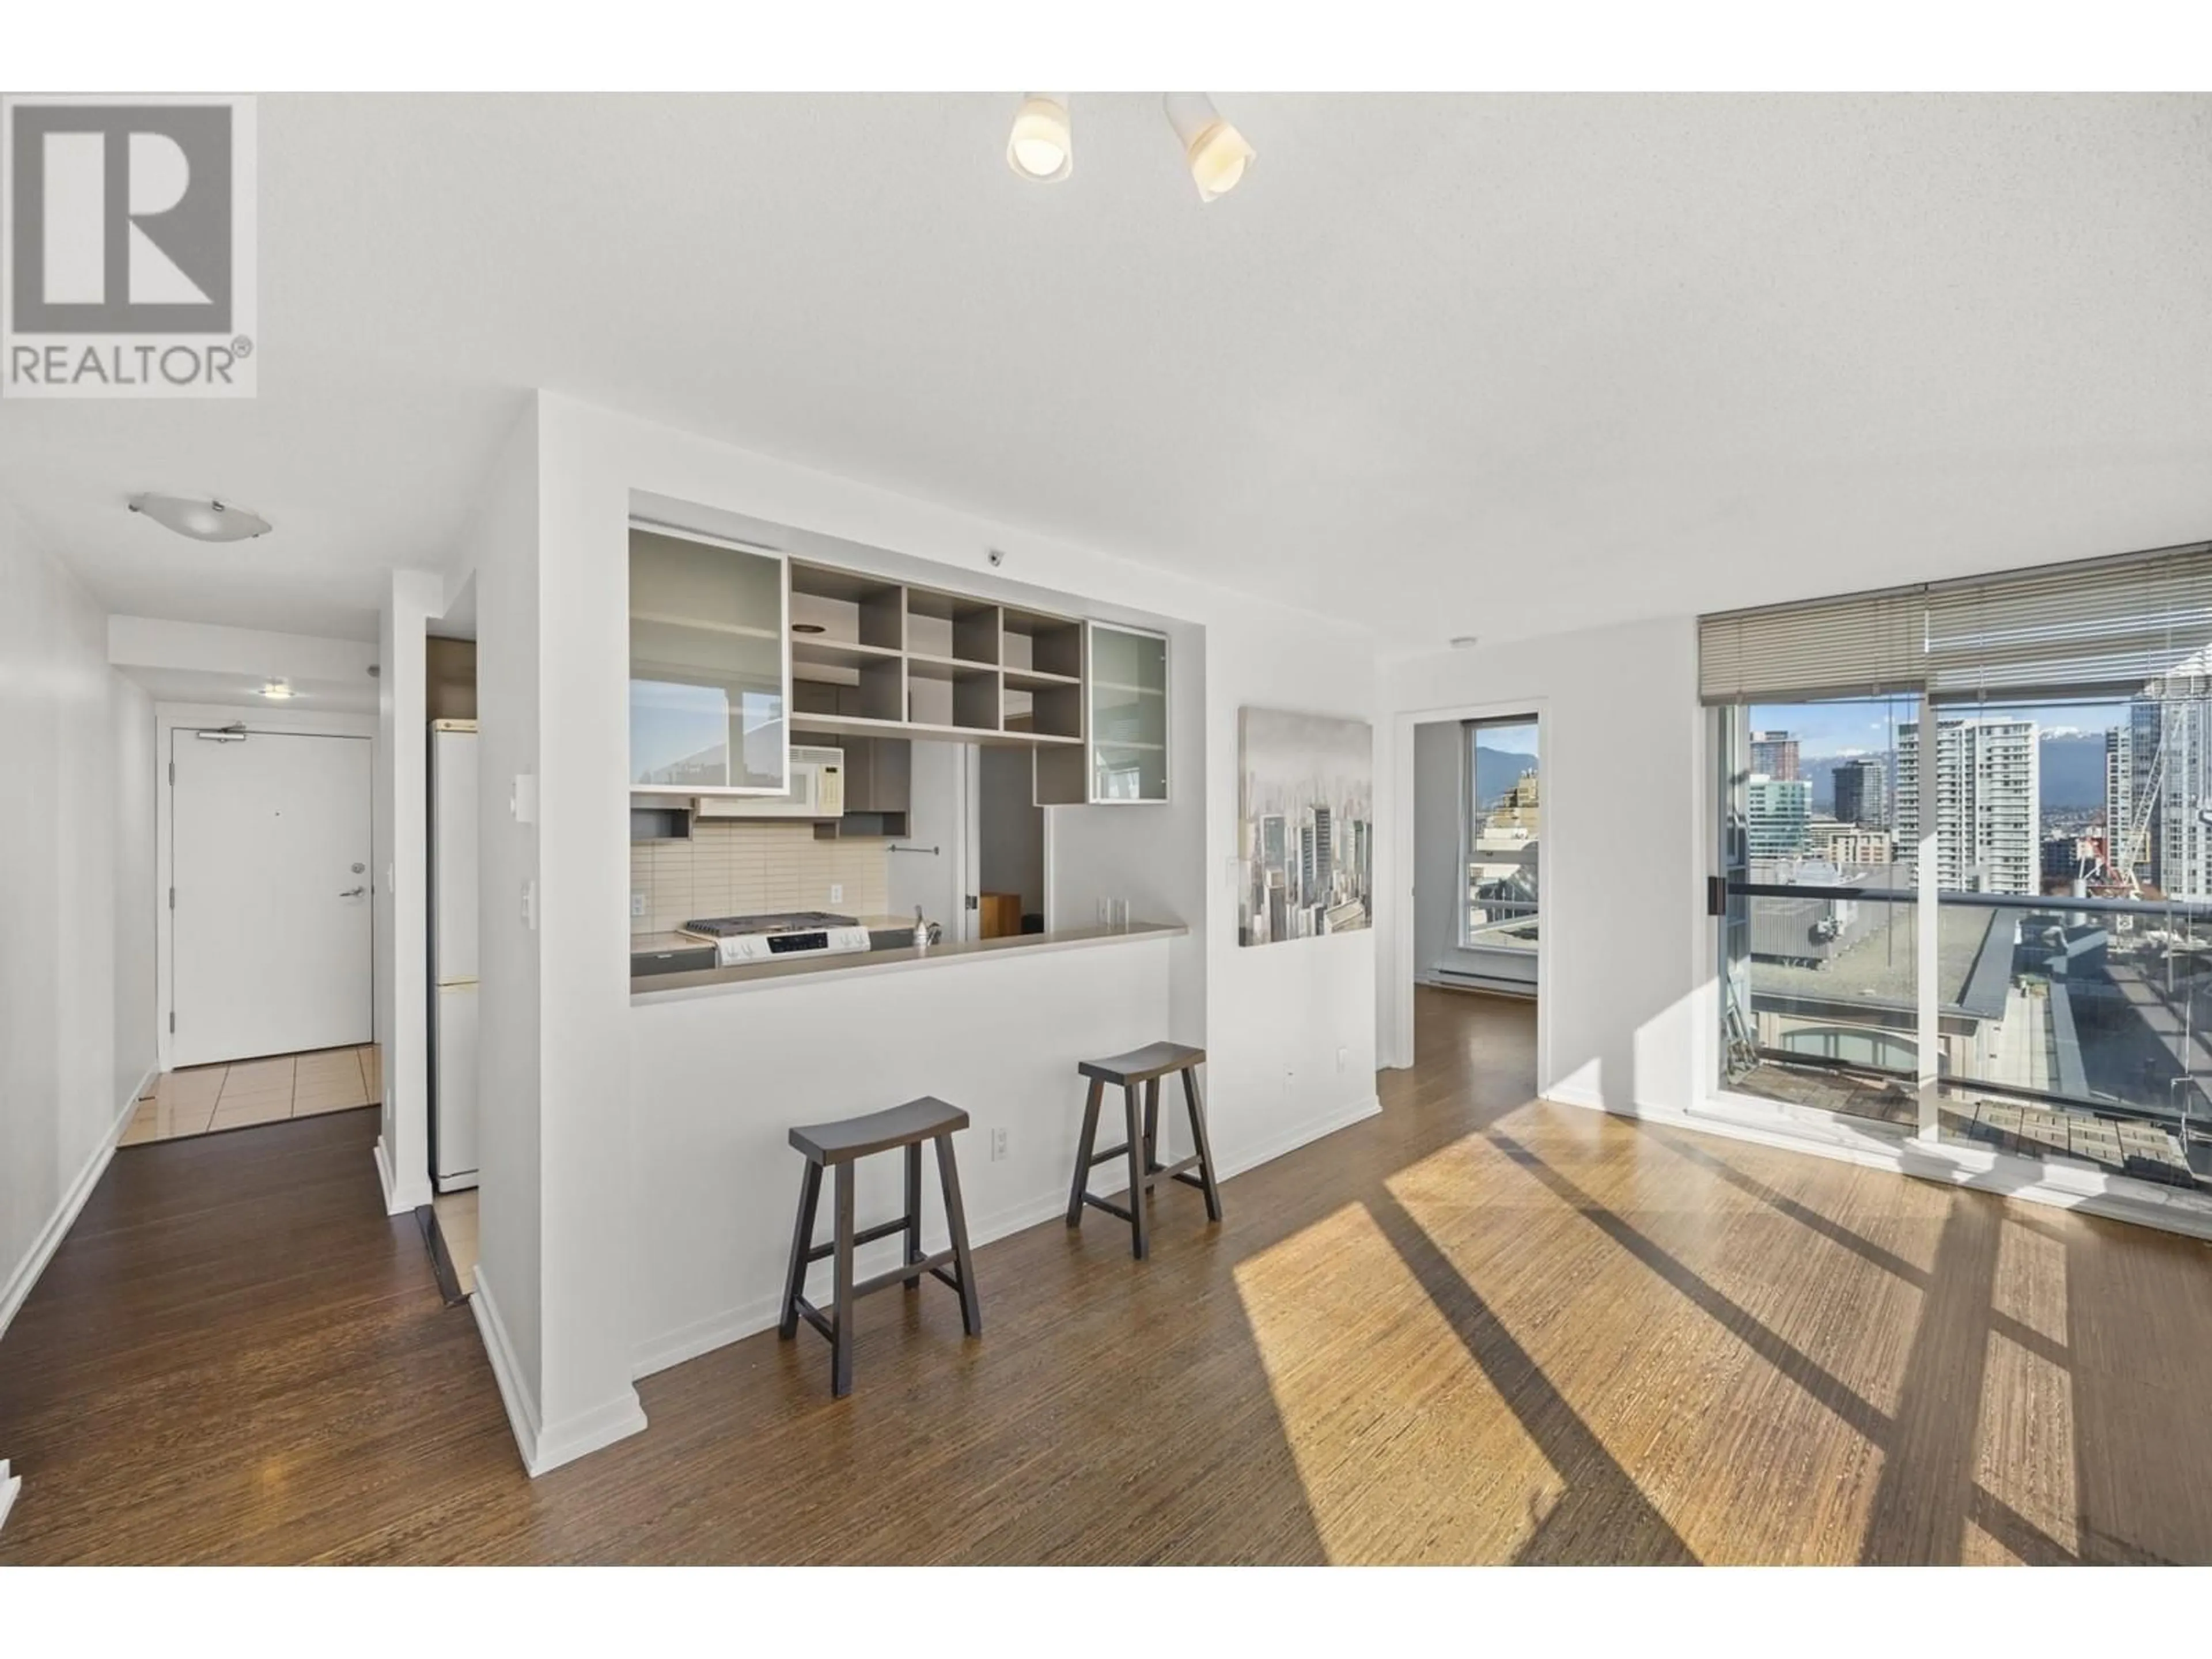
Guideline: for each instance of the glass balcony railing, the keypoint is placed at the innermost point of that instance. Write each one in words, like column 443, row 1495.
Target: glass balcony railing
column 1503, row 924
column 2077, row 1029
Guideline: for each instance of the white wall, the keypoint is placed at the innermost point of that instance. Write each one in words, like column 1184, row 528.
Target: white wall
column 76, row 821
column 1009, row 825
column 1439, row 878
column 1290, row 1028
column 403, row 886
column 932, row 880
column 137, row 1046
column 1625, row 952
column 501, row 547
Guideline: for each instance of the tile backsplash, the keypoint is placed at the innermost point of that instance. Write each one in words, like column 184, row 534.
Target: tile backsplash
column 730, row 869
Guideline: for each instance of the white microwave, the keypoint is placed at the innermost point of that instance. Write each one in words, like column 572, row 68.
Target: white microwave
column 817, row 791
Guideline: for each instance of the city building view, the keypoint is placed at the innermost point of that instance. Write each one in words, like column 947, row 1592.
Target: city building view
column 1504, row 825
column 2073, row 848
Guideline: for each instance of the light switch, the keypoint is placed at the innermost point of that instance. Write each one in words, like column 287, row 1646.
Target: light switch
column 522, row 800
column 529, row 905
column 836, row 892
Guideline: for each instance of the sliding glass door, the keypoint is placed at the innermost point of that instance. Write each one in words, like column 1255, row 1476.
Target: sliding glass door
column 1820, row 926
column 1980, row 908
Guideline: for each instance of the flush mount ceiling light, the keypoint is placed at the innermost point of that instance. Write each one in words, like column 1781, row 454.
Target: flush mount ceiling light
column 1214, row 151
column 1041, row 146
column 278, row 691
column 203, row 521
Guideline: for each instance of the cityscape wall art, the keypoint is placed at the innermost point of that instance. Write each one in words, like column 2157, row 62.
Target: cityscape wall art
column 1305, row 825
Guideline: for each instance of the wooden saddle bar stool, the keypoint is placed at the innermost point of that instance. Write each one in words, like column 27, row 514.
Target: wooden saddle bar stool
column 840, row 1147
column 1145, row 1066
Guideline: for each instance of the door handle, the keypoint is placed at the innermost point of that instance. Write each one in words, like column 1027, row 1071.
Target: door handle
column 353, row 892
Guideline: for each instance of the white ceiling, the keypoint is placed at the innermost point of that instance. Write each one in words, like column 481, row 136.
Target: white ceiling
column 1493, row 365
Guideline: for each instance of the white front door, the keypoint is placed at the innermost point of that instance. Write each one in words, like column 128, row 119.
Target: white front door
column 270, row 946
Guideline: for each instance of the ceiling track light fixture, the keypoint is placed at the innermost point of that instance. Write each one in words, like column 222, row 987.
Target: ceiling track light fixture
column 202, row 521
column 1214, row 151
column 1041, row 146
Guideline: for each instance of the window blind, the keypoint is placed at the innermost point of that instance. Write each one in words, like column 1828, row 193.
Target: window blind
column 2093, row 627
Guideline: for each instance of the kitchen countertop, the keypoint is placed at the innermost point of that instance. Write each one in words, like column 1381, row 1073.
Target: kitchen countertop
column 753, row 975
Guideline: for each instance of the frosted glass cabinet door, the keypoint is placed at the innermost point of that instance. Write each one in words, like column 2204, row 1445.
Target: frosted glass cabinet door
column 1128, row 715
column 709, row 666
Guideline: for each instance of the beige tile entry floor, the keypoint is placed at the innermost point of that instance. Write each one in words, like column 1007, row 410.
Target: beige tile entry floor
column 457, row 1221
column 200, row 1099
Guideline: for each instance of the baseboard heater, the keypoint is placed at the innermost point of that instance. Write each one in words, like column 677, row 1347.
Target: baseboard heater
column 1459, row 979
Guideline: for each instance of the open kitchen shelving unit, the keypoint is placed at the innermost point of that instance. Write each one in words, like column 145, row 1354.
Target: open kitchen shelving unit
column 875, row 658
column 866, row 663
column 892, row 660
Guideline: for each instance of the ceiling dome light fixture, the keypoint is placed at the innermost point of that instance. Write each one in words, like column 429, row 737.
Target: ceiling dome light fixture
column 1214, row 151
column 202, row 521
column 1041, row 146
column 278, row 691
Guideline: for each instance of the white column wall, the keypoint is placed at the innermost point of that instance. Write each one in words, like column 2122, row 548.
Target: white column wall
column 403, row 886
column 1290, row 1028
column 501, row 547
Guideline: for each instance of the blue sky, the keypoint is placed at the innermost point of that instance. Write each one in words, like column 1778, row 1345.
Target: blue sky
column 1516, row 740
column 1865, row 726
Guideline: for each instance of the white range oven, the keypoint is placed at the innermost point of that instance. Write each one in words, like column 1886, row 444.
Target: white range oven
column 764, row 939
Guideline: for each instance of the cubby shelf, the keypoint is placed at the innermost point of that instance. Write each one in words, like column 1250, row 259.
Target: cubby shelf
column 924, row 662
column 844, row 653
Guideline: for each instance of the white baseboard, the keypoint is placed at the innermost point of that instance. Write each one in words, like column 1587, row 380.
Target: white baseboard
column 1299, row 1134
column 17, row 1288
column 384, row 1176
column 760, row 1314
column 400, row 1198
column 506, row 1370
column 10, row 1486
column 1573, row 1094
column 586, row 1432
column 544, row 1449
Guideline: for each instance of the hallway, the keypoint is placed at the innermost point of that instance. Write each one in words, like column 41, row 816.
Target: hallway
column 1477, row 1327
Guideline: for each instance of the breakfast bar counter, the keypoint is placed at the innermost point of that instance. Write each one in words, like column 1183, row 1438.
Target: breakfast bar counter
column 726, row 1062
column 747, row 975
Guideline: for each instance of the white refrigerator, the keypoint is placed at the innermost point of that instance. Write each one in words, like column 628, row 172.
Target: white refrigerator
column 452, row 955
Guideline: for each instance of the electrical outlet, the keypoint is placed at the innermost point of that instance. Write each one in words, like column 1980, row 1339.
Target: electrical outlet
column 636, row 905
column 998, row 1146
column 836, row 892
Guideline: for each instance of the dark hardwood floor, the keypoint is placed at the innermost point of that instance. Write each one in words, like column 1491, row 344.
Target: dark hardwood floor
column 1475, row 1328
